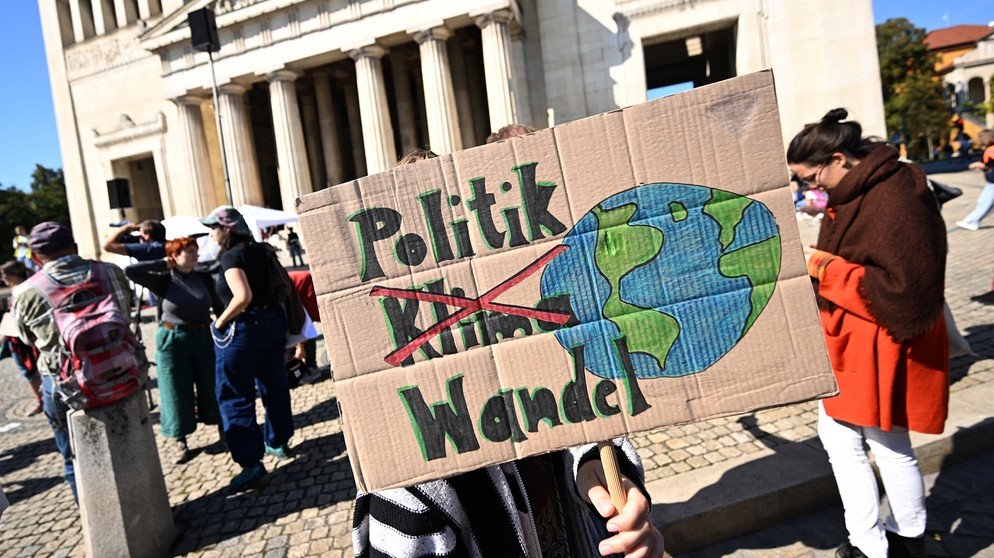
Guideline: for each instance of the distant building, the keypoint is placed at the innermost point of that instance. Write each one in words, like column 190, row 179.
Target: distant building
column 966, row 63
column 317, row 92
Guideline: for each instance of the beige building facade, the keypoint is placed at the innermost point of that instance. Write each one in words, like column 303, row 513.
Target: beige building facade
column 969, row 77
column 312, row 93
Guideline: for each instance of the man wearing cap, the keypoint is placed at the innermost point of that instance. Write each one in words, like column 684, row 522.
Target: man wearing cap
column 53, row 248
column 151, row 246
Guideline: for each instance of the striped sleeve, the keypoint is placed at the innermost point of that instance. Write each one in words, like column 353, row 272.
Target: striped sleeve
column 397, row 523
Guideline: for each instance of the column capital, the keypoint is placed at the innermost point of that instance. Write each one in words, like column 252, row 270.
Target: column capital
column 283, row 74
column 189, row 100
column 367, row 51
column 232, row 89
column 437, row 33
column 504, row 16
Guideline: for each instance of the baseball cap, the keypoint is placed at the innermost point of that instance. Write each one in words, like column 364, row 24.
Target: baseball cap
column 50, row 237
column 227, row 216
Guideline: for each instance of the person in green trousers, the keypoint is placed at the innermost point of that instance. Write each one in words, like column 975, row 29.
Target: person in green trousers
column 184, row 347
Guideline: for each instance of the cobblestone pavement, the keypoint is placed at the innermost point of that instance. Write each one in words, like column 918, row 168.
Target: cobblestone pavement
column 305, row 509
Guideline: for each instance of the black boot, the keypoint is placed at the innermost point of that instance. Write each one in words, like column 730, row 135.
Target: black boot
column 847, row 550
column 905, row 547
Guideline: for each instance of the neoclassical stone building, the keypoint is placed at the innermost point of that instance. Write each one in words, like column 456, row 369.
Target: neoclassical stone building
column 311, row 93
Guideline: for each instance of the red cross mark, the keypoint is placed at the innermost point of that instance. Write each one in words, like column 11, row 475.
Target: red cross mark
column 470, row 305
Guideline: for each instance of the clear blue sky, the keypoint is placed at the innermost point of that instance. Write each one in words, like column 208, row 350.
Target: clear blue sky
column 28, row 121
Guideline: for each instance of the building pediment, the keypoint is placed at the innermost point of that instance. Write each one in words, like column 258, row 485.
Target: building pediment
column 174, row 28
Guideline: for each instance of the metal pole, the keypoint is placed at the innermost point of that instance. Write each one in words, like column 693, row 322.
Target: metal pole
column 220, row 132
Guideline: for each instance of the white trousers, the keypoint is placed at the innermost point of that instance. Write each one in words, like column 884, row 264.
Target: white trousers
column 902, row 480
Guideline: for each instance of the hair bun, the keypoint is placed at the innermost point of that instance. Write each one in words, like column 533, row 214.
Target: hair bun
column 834, row 116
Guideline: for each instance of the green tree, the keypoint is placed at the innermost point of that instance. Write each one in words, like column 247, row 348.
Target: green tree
column 15, row 205
column 912, row 91
column 45, row 202
column 48, row 195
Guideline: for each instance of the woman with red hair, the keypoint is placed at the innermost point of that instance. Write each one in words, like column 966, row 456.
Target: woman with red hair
column 184, row 347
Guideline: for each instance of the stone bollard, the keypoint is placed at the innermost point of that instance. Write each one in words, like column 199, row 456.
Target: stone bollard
column 122, row 493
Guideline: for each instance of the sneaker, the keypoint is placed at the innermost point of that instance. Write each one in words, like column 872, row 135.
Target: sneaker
column 250, row 477
column 967, row 226
column 847, row 550
column 180, row 452
column 35, row 409
column 281, row 453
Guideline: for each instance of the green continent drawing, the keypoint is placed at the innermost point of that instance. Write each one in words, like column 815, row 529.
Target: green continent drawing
column 621, row 248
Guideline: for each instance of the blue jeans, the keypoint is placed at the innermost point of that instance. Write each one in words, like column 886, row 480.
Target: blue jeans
column 246, row 359
column 56, row 411
column 984, row 203
column 296, row 254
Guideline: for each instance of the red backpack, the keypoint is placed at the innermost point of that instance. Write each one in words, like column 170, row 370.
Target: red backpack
column 99, row 359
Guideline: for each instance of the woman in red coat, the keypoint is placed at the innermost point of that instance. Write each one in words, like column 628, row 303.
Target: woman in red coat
column 878, row 270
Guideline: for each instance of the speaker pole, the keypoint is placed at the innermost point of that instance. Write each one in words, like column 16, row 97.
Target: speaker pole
column 220, row 132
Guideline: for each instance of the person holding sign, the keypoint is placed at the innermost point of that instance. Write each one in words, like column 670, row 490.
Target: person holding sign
column 878, row 271
column 556, row 504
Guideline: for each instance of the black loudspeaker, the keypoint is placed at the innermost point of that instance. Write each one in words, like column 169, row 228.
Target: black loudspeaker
column 203, row 30
column 119, row 193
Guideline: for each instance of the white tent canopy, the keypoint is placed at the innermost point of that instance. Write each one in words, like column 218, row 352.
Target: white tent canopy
column 261, row 218
column 258, row 219
column 179, row 226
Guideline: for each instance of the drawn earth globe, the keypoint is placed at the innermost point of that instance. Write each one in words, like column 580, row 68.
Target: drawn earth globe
column 680, row 271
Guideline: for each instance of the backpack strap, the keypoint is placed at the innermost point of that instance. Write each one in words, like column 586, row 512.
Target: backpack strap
column 56, row 293
column 53, row 291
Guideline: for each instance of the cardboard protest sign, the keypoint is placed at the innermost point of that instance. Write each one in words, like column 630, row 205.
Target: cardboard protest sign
column 632, row 270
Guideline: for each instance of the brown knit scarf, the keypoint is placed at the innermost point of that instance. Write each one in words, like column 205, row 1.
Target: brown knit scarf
column 887, row 220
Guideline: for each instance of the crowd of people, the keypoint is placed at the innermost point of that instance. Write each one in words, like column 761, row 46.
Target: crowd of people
column 878, row 271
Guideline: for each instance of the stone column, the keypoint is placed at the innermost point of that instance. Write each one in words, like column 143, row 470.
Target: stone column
column 497, row 66
column 81, row 27
column 103, row 17
column 405, row 103
column 987, row 99
column 144, row 10
column 243, row 167
column 198, row 183
column 377, row 133
column 440, row 98
column 329, row 129
column 291, row 152
column 126, row 12
column 519, row 62
column 312, row 136
column 355, row 129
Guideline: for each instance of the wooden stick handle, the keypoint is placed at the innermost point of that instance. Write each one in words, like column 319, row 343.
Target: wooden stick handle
column 610, row 463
